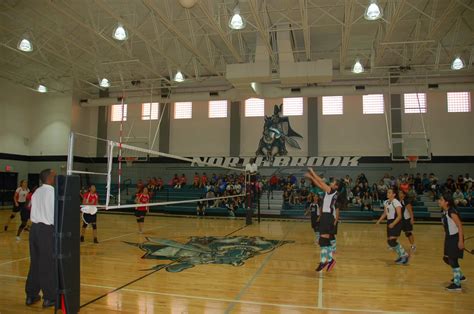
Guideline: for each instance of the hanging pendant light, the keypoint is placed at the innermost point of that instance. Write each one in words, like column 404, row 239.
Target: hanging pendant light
column 237, row 21
column 120, row 33
column 179, row 77
column 357, row 68
column 373, row 11
column 104, row 83
column 457, row 64
column 42, row 89
column 25, row 44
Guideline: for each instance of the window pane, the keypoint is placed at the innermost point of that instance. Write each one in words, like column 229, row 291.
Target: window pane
column 459, row 102
column 293, row 106
column 183, row 110
column 373, row 104
column 332, row 105
column 218, row 109
column 150, row 111
column 254, row 107
column 415, row 103
column 117, row 112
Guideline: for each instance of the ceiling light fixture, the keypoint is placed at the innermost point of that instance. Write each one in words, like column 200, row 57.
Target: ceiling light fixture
column 42, row 88
column 373, row 11
column 357, row 68
column 179, row 77
column 104, row 83
column 120, row 33
column 457, row 64
column 237, row 21
column 25, row 45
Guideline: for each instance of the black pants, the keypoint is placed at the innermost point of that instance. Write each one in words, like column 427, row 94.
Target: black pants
column 41, row 275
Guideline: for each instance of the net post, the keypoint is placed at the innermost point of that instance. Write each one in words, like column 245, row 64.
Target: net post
column 110, row 159
column 70, row 154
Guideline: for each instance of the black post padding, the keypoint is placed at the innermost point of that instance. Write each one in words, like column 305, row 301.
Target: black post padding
column 258, row 206
column 67, row 244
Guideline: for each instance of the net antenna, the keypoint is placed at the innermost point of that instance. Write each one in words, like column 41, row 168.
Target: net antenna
column 112, row 146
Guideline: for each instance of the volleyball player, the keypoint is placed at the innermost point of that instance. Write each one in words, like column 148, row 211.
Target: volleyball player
column 90, row 199
column 393, row 213
column 408, row 218
column 454, row 239
column 141, row 211
column 327, row 221
column 201, row 208
column 19, row 201
column 315, row 212
column 25, row 214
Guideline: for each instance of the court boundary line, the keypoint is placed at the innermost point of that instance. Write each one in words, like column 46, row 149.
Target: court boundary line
column 87, row 244
column 142, row 277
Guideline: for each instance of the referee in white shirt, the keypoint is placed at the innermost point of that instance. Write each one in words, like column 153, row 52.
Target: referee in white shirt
column 41, row 275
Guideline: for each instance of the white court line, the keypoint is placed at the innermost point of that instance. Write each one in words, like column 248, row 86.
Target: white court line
column 320, row 291
column 185, row 296
column 88, row 244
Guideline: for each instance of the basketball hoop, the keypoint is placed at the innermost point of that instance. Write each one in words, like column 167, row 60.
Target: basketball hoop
column 130, row 160
column 412, row 161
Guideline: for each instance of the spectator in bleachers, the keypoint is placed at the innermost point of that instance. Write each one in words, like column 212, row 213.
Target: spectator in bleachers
column 203, row 181
column 182, row 180
column 434, row 189
column 211, row 194
column 418, row 184
column 159, row 184
column 151, row 186
column 201, row 208
column 366, row 202
column 468, row 181
column 382, row 190
column 196, row 181
column 286, row 199
column 175, row 181
column 459, row 184
column 374, row 192
column 273, row 184
column 404, row 186
column 459, row 199
column 426, row 183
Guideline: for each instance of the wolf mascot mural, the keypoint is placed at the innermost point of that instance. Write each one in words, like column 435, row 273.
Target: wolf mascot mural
column 276, row 133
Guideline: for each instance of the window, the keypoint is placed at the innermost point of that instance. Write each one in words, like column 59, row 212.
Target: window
column 459, row 102
column 372, row 104
column 254, row 107
column 293, row 106
column 183, row 110
column 117, row 112
column 415, row 103
column 150, row 111
column 218, row 109
column 332, row 105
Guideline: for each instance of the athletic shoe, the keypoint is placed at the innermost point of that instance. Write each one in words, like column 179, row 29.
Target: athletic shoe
column 463, row 278
column 321, row 266
column 5, row 228
column 331, row 265
column 402, row 260
column 453, row 287
column 82, row 238
column 18, row 238
column 413, row 248
column 95, row 240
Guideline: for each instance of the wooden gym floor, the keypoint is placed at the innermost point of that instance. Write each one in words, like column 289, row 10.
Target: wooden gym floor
column 365, row 279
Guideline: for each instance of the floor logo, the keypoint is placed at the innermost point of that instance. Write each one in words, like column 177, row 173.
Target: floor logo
column 206, row 250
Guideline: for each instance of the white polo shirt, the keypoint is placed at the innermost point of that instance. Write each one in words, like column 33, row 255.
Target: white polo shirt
column 42, row 205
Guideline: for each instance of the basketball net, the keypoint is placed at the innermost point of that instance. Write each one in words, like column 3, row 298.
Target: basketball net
column 412, row 160
column 130, row 160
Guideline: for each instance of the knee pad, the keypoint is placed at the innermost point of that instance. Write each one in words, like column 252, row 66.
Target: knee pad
column 84, row 225
column 446, row 260
column 392, row 243
column 141, row 219
column 408, row 234
column 94, row 226
column 453, row 262
column 324, row 242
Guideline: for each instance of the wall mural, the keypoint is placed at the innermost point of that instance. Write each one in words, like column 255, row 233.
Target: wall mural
column 277, row 132
column 233, row 251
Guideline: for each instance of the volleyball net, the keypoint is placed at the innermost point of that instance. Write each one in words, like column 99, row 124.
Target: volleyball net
column 122, row 172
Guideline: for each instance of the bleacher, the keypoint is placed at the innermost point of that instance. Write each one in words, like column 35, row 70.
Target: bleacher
column 424, row 208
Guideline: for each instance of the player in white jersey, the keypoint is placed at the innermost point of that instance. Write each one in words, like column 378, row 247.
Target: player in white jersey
column 454, row 239
column 408, row 218
column 327, row 221
column 393, row 213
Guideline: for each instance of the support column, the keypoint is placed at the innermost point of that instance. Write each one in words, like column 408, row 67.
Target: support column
column 234, row 149
column 313, row 143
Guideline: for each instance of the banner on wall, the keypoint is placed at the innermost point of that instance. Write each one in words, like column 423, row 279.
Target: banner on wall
column 282, row 161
